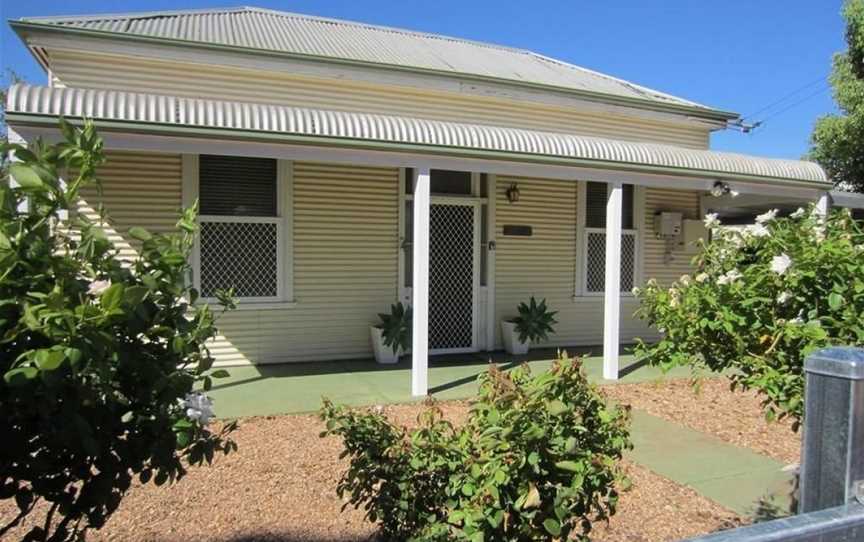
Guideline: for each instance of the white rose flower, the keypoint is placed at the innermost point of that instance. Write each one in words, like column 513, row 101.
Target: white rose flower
column 635, row 290
column 199, row 407
column 711, row 221
column 701, row 277
column 756, row 230
column 766, row 217
column 98, row 286
column 797, row 321
column 729, row 277
column 819, row 232
column 685, row 280
column 780, row 264
column 784, row 297
column 799, row 212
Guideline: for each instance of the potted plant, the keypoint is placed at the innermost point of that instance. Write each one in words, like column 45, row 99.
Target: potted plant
column 391, row 337
column 533, row 324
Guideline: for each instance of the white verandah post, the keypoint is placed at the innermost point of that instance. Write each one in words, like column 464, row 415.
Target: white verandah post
column 420, row 288
column 823, row 204
column 612, row 288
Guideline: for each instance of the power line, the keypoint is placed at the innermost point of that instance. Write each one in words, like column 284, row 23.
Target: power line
column 796, row 103
column 786, row 97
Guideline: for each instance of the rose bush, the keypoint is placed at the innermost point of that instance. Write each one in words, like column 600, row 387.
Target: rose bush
column 537, row 459
column 762, row 298
column 102, row 363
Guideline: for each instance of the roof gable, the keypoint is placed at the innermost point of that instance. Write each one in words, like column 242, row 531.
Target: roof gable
column 269, row 30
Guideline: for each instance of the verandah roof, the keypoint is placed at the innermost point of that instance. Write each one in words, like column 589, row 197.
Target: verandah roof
column 28, row 104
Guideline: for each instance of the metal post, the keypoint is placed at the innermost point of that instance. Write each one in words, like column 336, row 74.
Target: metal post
column 832, row 462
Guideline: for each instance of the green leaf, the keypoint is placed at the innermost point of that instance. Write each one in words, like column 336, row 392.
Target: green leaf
column 570, row 466
column 835, row 300
column 140, row 234
column 20, row 375
column 556, row 407
column 134, row 295
column 49, row 360
column 26, row 177
column 552, row 526
column 112, row 297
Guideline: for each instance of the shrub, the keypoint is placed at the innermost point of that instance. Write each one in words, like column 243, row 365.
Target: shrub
column 763, row 297
column 537, row 459
column 99, row 360
column 396, row 327
column 535, row 321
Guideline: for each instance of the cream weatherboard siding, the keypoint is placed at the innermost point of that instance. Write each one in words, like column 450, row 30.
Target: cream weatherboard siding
column 104, row 72
column 138, row 189
column 345, row 254
column 345, row 259
column 345, row 264
column 545, row 264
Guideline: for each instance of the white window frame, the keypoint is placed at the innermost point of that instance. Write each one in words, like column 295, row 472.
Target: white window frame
column 582, row 231
column 284, row 231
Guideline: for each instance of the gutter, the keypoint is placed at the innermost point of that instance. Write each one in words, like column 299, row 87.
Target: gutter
column 21, row 28
column 153, row 128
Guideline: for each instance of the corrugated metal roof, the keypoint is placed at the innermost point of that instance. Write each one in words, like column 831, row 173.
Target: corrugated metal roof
column 307, row 35
column 180, row 111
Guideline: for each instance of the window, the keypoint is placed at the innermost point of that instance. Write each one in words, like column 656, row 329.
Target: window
column 594, row 238
column 242, row 227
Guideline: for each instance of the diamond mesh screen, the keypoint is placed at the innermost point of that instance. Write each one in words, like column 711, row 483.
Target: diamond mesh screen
column 451, row 276
column 595, row 270
column 242, row 255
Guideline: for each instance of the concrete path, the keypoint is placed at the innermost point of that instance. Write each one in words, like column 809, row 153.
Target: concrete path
column 734, row 477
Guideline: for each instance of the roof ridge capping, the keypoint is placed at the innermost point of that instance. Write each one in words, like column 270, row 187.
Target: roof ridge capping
column 275, row 12
column 28, row 104
column 133, row 15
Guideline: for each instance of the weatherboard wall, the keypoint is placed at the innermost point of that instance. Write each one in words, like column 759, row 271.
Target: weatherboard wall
column 345, row 260
column 105, row 72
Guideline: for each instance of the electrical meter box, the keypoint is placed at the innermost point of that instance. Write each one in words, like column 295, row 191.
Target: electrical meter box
column 667, row 224
column 693, row 231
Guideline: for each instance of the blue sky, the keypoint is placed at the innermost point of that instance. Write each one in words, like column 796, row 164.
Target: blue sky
column 738, row 55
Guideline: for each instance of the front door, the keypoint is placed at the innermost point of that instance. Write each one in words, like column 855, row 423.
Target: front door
column 453, row 275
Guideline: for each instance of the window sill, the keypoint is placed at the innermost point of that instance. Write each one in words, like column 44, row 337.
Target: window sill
column 257, row 306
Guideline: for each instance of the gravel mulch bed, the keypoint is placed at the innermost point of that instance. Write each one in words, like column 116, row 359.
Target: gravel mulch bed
column 711, row 407
column 280, row 487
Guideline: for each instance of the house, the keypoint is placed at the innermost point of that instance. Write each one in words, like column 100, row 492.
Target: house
column 343, row 166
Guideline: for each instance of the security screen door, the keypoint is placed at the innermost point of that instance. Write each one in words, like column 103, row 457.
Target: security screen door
column 453, row 275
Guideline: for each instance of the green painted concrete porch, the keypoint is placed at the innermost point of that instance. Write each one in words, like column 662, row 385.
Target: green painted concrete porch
column 734, row 477
column 299, row 387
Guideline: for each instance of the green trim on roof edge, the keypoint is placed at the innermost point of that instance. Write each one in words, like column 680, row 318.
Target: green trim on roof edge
column 707, row 113
column 29, row 119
